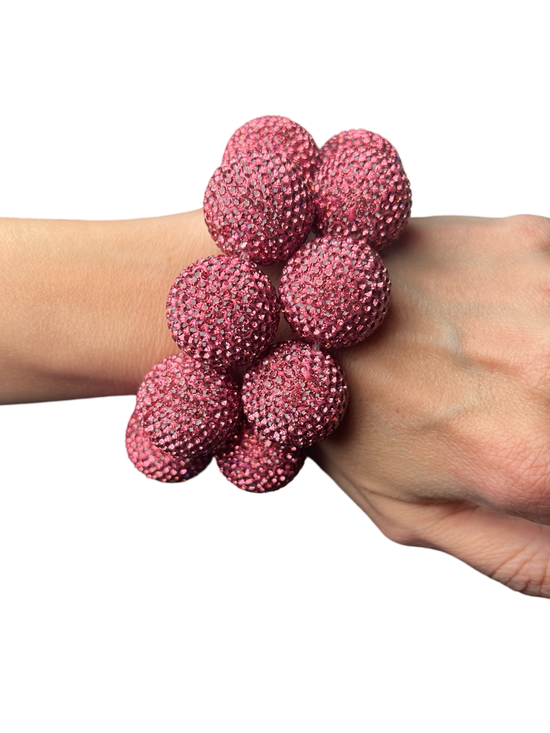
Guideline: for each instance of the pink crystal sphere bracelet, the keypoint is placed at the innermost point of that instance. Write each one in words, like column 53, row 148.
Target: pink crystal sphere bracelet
column 316, row 305
column 223, row 310
column 324, row 213
column 261, row 205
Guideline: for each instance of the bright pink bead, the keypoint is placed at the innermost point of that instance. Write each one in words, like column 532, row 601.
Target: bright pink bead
column 259, row 205
column 295, row 395
column 223, row 310
column 187, row 408
column 154, row 462
column 278, row 135
column 257, row 464
column 334, row 292
column 361, row 189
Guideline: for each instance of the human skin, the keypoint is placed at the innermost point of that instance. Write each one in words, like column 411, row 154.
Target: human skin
column 446, row 441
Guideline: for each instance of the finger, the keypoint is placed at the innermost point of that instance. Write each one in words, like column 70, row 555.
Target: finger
column 511, row 550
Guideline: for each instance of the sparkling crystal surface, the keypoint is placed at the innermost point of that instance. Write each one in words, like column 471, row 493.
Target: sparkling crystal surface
column 187, row 408
column 223, row 310
column 361, row 189
column 334, row 291
column 277, row 135
column 154, row 462
column 257, row 464
column 259, row 204
column 296, row 394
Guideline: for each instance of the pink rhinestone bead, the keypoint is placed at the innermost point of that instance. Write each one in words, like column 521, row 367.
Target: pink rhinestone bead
column 187, row 408
column 361, row 189
column 257, row 464
column 154, row 462
column 223, row 310
column 295, row 395
column 278, row 135
column 259, row 204
column 334, row 292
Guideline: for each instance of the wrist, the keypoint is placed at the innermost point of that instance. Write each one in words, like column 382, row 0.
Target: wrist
column 156, row 250
column 84, row 302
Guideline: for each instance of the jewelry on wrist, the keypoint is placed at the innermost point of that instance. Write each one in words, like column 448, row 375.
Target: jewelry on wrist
column 273, row 192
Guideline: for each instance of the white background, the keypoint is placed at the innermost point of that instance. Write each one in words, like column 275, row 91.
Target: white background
column 127, row 605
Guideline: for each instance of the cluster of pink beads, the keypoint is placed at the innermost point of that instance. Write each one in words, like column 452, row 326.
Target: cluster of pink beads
column 325, row 213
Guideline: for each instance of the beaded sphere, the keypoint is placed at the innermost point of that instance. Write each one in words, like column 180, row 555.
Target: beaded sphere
column 187, row 408
column 334, row 292
column 277, row 135
column 259, row 204
column 223, row 310
column 154, row 462
column 361, row 189
column 295, row 394
column 257, row 464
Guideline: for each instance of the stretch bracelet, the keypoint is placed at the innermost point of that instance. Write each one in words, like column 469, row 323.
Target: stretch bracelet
column 326, row 213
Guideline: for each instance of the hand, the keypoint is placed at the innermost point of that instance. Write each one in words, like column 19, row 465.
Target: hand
column 446, row 442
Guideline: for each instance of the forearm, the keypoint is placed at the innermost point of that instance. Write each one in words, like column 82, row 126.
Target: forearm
column 82, row 303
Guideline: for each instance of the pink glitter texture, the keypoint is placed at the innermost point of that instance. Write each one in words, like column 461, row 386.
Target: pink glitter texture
column 334, row 292
column 155, row 463
column 187, row 408
column 223, row 310
column 276, row 135
column 295, row 395
column 257, row 464
column 259, row 205
column 361, row 189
